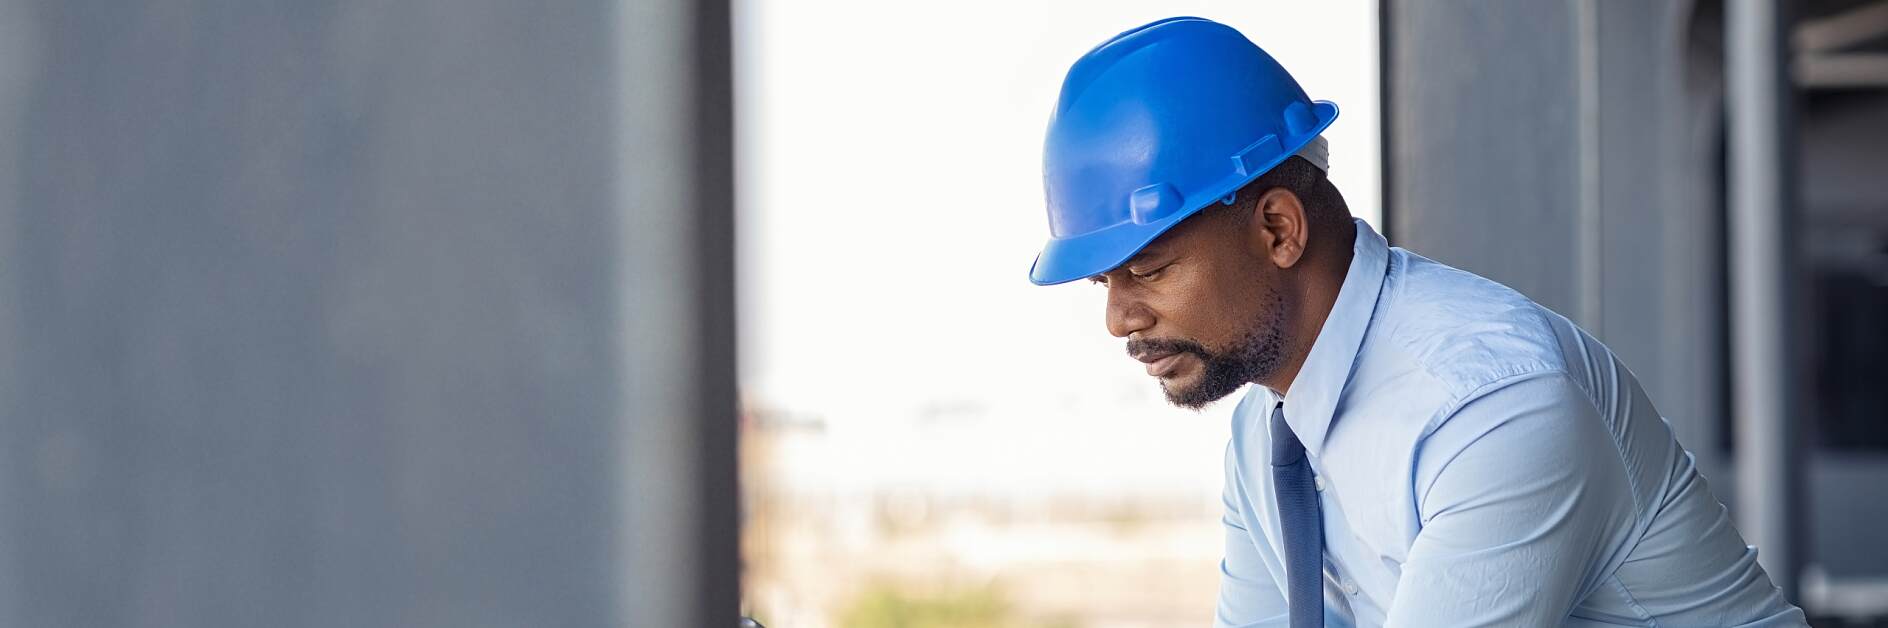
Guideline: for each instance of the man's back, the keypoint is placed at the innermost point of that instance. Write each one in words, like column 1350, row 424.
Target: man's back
column 1481, row 461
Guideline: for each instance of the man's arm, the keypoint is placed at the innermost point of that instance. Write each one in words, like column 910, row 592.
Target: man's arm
column 1248, row 596
column 1523, row 496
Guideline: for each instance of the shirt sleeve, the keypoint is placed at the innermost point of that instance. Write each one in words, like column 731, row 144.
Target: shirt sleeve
column 1248, row 595
column 1523, row 500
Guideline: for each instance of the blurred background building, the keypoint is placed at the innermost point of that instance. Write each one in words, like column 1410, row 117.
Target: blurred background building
column 428, row 313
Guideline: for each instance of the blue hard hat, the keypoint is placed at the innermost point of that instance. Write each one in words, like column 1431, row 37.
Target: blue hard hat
column 1154, row 125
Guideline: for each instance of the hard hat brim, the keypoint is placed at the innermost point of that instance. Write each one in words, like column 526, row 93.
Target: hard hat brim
column 1063, row 260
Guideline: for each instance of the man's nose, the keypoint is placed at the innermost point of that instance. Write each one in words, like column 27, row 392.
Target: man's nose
column 1125, row 315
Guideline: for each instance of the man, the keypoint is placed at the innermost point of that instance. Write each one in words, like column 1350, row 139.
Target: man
column 1424, row 447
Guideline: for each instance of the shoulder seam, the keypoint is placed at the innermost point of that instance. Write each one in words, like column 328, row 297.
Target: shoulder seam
column 1417, row 494
column 1456, row 403
column 1508, row 379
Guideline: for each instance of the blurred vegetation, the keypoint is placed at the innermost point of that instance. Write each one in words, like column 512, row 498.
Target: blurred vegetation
column 890, row 606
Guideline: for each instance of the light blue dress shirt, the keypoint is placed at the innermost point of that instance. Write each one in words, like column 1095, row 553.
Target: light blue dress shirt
column 1480, row 461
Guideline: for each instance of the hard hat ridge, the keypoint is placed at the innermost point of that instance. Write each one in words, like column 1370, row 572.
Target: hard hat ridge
column 1105, row 53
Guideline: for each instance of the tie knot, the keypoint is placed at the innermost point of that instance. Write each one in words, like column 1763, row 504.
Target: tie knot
column 1286, row 448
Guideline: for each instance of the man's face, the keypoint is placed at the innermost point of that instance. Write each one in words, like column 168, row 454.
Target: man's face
column 1201, row 309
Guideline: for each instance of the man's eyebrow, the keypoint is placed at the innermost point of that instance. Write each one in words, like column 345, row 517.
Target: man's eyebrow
column 1146, row 255
column 1139, row 258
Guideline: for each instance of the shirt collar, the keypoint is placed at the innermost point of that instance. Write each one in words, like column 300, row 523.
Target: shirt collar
column 1327, row 368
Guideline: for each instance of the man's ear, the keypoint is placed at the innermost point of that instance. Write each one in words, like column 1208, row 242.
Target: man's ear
column 1276, row 230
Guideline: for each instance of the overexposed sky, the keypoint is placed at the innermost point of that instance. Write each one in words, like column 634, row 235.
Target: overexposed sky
column 891, row 203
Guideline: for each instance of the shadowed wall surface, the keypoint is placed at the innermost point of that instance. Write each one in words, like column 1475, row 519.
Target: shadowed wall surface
column 313, row 314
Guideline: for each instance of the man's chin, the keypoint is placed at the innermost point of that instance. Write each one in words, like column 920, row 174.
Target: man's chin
column 1187, row 393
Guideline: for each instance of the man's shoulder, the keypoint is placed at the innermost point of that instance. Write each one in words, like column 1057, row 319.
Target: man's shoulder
column 1460, row 329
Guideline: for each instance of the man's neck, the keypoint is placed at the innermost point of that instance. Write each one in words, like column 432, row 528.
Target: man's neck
column 1327, row 271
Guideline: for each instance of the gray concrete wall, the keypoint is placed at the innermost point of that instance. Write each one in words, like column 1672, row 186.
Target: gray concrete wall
column 327, row 314
column 1483, row 121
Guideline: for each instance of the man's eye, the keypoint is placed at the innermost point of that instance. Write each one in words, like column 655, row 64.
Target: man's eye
column 1147, row 275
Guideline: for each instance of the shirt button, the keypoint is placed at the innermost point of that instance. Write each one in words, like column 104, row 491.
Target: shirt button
column 1319, row 482
column 1350, row 586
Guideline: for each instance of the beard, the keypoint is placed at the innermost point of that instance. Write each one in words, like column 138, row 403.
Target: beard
column 1258, row 353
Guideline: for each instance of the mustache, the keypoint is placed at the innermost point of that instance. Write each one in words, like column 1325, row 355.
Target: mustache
column 1138, row 349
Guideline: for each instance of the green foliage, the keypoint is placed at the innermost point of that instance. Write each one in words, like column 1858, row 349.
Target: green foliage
column 889, row 606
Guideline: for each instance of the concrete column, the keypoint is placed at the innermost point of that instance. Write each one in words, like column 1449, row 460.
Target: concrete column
column 351, row 313
column 1763, row 367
